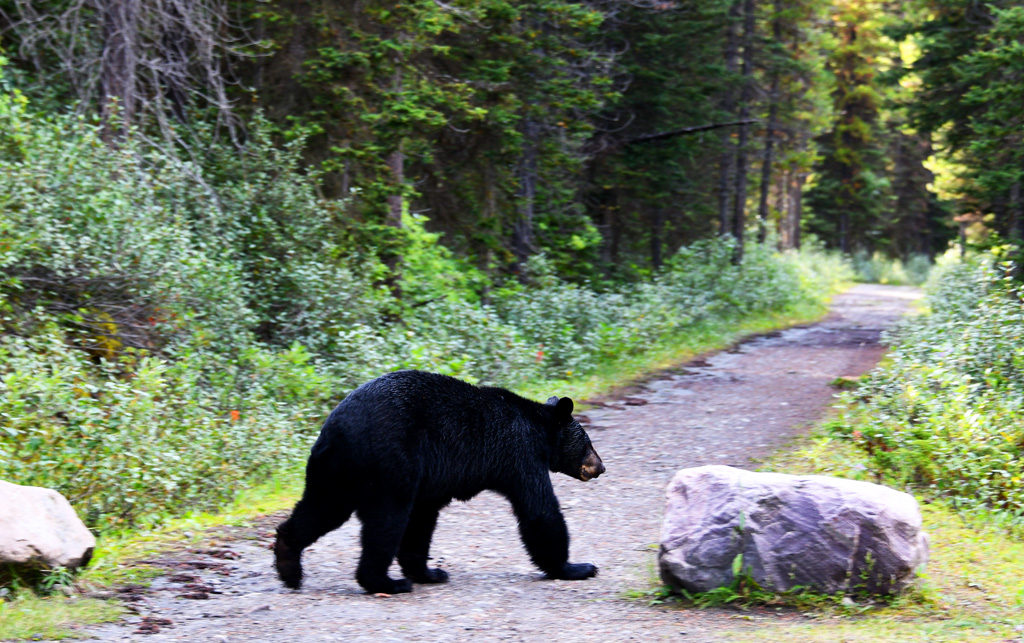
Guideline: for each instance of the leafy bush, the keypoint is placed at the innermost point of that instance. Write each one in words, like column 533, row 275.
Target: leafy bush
column 90, row 235
column 131, row 440
column 947, row 412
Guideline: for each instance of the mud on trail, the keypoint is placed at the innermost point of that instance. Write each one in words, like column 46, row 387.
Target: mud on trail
column 732, row 407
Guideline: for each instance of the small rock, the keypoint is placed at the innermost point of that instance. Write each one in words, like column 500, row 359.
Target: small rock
column 152, row 624
column 183, row 578
column 195, row 595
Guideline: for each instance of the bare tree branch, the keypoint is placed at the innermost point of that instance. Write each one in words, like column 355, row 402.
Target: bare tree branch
column 137, row 62
column 646, row 138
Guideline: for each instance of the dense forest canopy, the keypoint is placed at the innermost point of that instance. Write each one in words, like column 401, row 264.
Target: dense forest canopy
column 600, row 134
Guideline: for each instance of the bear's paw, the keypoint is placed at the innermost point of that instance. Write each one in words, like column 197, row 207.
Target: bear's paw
column 575, row 571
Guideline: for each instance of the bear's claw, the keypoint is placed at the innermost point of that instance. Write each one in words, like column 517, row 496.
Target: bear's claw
column 386, row 585
column 429, row 576
column 575, row 571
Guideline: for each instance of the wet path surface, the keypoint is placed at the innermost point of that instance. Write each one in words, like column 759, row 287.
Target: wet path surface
column 731, row 408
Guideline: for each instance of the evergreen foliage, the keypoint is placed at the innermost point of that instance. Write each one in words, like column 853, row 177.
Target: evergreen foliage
column 968, row 99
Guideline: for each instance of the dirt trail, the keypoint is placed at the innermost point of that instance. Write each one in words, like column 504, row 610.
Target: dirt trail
column 731, row 408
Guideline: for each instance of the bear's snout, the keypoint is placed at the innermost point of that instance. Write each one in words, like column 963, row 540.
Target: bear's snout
column 592, row 466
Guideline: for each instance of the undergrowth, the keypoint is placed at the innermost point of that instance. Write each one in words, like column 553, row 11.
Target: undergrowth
column 880, row 269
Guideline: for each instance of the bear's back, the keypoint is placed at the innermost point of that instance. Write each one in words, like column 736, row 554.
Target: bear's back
column 430, row 414
column 456, row 439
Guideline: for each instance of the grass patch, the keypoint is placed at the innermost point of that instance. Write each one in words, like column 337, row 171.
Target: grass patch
column 115, row 561
column 32, row 617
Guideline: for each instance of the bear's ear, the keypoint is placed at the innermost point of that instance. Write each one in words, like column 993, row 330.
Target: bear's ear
column 563, row 406
column 553, row 400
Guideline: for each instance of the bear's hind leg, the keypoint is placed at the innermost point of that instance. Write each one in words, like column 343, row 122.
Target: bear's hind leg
column 312, row 517
column 415, row 548
column 383, row 526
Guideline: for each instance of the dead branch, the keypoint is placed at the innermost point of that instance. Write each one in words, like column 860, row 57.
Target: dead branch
column 646, row 138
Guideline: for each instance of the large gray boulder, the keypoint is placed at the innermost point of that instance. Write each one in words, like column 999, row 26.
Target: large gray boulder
column 827, row 534
column 39, row 529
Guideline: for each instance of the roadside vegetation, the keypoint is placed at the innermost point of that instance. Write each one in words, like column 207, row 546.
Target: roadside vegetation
column 945, row 414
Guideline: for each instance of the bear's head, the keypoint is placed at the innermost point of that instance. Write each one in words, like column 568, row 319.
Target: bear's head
column 572, row 453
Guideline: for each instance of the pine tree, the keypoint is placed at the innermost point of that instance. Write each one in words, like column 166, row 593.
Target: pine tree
column 849, row 197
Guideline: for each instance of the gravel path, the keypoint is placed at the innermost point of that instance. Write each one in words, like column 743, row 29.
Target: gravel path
column 730, row 408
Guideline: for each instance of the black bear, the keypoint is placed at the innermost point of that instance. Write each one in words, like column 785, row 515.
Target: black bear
column 398, row 449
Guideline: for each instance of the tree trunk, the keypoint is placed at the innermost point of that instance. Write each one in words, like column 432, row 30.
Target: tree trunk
column 1016, row 227
column 396, row 163
column 522, row 231
column 782, row 205
column 797, row 201
column 728, row 159
column 117, row 68
column 746, row 97
column 791, row 197
column 766, row 167
column 608, row 207
column 844, row 232
column 769, row 137
column 1016, row 210
column 657, row 219
column 174, row 72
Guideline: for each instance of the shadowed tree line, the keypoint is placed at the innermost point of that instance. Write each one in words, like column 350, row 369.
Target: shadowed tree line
column 601, row 134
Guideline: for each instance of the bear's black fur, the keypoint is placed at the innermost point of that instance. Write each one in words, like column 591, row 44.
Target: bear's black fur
column 398, row 449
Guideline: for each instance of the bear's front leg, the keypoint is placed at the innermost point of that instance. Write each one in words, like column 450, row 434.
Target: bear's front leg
column 544, row 533
column 414, row 551
column 383, row 526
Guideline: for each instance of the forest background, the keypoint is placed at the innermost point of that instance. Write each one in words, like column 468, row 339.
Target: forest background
column 217, row 217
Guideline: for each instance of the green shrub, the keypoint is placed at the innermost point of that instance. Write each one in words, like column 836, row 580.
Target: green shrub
column 947, row 411
column 133, row 440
